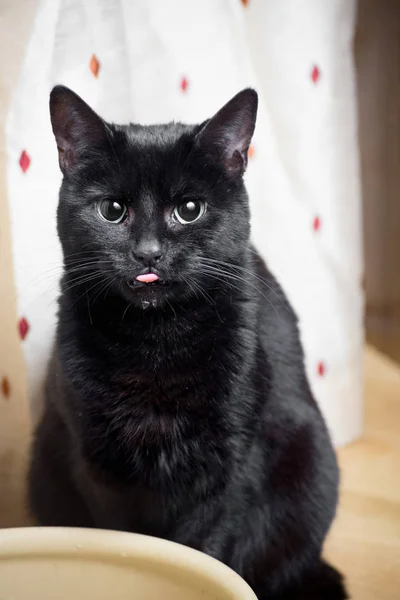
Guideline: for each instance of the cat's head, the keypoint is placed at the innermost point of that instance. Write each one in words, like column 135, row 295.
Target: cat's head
column 152, row 211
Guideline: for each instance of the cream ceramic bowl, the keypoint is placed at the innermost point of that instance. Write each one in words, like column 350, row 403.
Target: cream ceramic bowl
column 82, row 564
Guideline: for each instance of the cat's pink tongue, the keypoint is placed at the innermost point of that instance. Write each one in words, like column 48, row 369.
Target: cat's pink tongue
column 147, row 277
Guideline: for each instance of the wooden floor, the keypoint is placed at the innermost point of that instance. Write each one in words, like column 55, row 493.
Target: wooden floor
column 365, row 540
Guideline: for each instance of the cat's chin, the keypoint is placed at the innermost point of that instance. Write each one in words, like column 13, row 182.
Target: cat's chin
column 149, row 295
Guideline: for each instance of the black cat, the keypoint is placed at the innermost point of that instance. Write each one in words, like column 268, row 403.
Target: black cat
column 177, row 401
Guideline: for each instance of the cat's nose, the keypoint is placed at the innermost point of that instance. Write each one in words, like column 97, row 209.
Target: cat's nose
column 148, row 252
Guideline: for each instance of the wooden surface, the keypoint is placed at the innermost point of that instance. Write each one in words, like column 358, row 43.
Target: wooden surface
column 365, row 540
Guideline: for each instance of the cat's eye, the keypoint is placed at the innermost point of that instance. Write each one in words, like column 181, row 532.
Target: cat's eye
column 189, row 212
column 112, row 211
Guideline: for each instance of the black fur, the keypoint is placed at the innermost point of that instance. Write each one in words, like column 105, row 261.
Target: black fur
column 182, row 410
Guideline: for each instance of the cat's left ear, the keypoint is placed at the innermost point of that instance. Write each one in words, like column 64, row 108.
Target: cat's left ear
column 76, row 127
column 227, row 135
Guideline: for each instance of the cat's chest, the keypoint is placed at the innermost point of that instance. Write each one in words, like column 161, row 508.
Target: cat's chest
column 157, row 378
column 148, row 410
column 135, row 447
column 151, row 428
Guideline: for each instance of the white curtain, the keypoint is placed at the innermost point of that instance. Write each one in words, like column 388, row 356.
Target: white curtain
column 159, row 60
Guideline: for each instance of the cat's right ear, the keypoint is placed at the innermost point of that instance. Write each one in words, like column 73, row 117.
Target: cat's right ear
column 227, row 135
column 76, row 127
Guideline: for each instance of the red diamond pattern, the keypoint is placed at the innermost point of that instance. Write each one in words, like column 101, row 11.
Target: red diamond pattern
column 24, row 161
column 184, row 84
column 317, row 224
column 321, row 369
column 315, row 74
column 94, row 65
column 23, row 327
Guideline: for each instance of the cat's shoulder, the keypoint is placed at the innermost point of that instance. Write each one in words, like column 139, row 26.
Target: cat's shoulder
column 277, row 320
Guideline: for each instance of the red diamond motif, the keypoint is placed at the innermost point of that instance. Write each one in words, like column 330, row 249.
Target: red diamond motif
column 245, row 2
column 315, row 74
column 23, row 327
column 184, row 84
column 316, row 224
column 251, row 152
column 24, row 161
column 94, row 65
column 321, row 369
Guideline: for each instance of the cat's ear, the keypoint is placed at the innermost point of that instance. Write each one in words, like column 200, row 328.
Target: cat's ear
column 227, row 135
column 76, row 127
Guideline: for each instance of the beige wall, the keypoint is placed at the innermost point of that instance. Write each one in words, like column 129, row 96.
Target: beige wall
column 15, row 22
column 378, row 71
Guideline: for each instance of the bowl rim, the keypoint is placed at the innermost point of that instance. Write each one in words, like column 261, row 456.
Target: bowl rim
column 120, row 547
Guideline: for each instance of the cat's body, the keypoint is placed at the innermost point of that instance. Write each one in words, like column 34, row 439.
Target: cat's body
column 187, row 414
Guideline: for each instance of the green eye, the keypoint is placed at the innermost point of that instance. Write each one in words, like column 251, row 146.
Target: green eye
column 189, row 212
column 112, row 211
